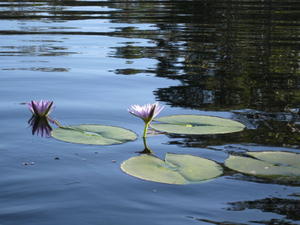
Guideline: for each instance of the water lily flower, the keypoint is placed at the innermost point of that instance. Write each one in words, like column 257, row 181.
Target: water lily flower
column 40, row 108
column 146, row 112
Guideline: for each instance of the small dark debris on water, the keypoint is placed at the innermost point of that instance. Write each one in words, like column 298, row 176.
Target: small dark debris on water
column 56, row 158
column 28, row 163
column 71, row 183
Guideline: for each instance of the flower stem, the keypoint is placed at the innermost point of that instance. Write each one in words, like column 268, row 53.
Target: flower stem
column 146, row 129
column 147, row 150
column 58, row 124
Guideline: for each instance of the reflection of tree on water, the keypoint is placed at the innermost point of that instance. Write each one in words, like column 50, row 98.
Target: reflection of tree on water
column 290, row 208
column 247, row 65
column 227, row 55
column 267, row 222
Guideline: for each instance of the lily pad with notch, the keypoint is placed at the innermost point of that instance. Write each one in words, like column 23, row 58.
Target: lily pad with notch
column 196, row 124
column 93, row 134
column 271, row 164
column 175, row 169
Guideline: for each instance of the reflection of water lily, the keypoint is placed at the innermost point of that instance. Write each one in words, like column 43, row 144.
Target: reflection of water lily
column 40, row 126
column 40, row 108
column 146, row 112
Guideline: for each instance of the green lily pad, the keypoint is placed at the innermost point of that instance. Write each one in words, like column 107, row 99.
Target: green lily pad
column 93, row 134
column 196, row 124
column 267, row 164
column 175, row 169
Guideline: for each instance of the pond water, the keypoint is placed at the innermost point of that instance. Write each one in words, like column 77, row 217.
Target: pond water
column 233, row 59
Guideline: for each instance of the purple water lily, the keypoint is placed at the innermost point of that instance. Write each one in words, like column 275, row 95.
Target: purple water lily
column 40, row 108
column 146, row 112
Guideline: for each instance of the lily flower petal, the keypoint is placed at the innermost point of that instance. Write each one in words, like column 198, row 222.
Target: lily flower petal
column 40, row 108
column 146, row 112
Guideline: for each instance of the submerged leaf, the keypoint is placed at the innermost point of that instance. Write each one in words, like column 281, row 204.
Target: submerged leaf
column 196, row 124
column 267, row 164
column 94, row 134
column 176, row 169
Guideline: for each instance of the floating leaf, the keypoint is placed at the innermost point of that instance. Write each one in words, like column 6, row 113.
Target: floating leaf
column 94, row 134
column 196, row 124
column 267, row 164
column 176, row 169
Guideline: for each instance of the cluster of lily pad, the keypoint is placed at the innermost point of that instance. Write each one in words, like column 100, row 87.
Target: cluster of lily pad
column 175, row 168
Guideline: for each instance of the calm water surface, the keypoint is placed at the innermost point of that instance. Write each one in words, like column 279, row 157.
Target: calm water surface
column 235, row 59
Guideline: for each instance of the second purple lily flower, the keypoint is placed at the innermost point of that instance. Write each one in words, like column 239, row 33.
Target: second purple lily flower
column 40, row 108
column 146, row 112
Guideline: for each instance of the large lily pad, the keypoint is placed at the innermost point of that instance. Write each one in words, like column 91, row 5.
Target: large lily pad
column 196, row 124
column 93, row 134
column 267, row 164
column 175, row 169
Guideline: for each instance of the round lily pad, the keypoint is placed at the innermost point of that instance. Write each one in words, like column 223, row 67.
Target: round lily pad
column 175, row 169
column 196, row 124
column 93, row 134
column 267, row 164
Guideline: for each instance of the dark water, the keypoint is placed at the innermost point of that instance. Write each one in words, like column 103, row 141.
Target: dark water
column 234, row 59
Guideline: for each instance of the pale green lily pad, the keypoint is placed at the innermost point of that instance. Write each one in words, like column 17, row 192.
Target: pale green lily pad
column 176, row 169
column 93, row 134
column 196, row 124
column 267, row 164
